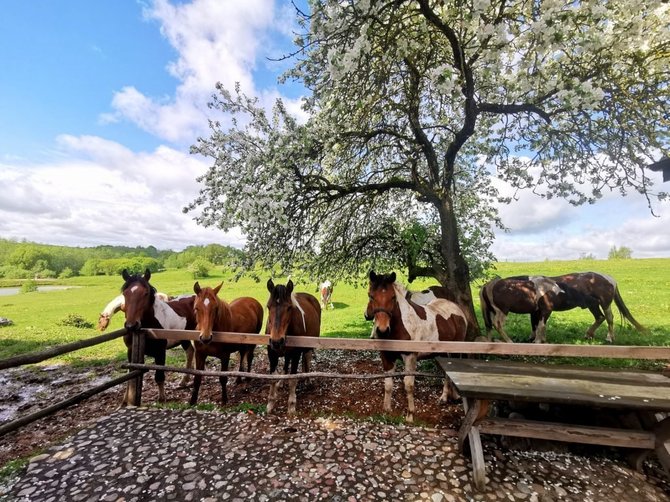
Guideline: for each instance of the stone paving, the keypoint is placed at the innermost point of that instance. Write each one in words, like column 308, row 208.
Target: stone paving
column 140, row 454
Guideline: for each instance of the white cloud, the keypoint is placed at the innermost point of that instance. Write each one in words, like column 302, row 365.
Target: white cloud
column 99, row 192
column 216, row 41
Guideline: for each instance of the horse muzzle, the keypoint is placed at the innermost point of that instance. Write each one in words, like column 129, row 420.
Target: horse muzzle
column 133, row 326
column 205, row 339
column 278, row 345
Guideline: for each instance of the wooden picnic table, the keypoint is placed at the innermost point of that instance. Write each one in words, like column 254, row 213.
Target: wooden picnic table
column 480, row 382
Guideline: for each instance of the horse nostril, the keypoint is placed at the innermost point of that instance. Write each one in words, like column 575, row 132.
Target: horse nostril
column 205, row 340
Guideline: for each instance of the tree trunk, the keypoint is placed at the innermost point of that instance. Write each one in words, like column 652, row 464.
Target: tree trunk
column 457, row 274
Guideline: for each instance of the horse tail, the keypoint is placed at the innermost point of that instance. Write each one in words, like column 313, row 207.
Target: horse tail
column 625, row 312
column 485, row 304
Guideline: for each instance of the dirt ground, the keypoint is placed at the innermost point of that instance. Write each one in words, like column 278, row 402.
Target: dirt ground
column 26, row 390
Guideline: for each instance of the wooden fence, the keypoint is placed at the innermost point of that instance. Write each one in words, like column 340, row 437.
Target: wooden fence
column 138, row 368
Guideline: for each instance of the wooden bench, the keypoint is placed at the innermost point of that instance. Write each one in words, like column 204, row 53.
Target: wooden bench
column 480, row 382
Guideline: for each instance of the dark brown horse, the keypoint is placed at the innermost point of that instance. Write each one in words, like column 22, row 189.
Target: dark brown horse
column 144, row 310
column 242, row 315
column 536, row 295
column 397, row 317
column 605, row 290
column 289, row 314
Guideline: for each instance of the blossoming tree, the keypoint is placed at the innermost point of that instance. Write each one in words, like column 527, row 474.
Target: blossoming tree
column 414, row 106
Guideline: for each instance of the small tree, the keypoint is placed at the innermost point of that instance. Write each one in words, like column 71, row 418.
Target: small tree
column 622, row 253
column 200, row 268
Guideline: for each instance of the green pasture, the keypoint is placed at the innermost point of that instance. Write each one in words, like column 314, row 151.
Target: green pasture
column 37, row 316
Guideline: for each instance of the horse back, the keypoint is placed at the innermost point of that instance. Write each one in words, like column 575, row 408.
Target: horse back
column 452, row 325
column 246, row 315
column 184, row 308
column 594, row 284
column 312, row 321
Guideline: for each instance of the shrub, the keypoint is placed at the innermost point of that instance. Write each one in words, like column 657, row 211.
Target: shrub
column 28, row 286
column 65, row 273
column 622, row 253
column 76, row 321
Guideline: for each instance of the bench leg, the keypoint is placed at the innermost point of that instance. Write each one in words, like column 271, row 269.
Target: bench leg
column 662, row 432
column 474, row 409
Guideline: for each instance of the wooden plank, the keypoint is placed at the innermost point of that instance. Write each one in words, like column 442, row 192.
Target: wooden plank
column 550, row 390
column 565, row 432
column 649, row 378
column 526, row 349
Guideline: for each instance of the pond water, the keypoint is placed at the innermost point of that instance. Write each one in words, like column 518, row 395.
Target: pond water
column 41, row 289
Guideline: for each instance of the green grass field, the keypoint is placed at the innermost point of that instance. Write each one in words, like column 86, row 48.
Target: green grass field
column 644, row 285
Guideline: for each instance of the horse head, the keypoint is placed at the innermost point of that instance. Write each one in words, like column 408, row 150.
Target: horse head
column 138, row 297
column 206, row 306
column 382, row 302
column 280, row 313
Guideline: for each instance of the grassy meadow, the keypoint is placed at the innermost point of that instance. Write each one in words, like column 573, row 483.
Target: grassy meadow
column 38, row 316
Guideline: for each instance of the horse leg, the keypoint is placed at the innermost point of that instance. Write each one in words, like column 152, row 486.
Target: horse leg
column 410, row 367
column 307, row 360
column 292, row 383
column 599, row 318
column 190, row 355
column 200, row 358
column 537, row 322
column 388, row 365
column 499, row 324
column 223, row 380
column 272, row 396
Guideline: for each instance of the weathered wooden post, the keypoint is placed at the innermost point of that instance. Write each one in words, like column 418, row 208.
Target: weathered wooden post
column 137, row 357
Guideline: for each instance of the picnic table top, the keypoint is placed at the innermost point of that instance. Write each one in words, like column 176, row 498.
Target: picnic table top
column 558, row 384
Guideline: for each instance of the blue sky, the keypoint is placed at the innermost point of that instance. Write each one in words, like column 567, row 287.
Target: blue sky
column 100, row 101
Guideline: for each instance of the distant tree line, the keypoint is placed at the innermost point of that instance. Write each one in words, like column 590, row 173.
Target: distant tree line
column 28, row 260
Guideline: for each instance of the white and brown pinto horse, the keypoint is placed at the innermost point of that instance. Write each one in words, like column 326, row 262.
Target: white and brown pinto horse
column 536, row 295
column 605, row 290
column 397, row 317
column 242, row 315
column 144, row 310
column 326, row 292
column 289, row 314
column 115, row 305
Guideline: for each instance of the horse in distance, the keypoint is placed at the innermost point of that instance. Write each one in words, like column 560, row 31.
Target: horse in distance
column 242, row 315
column 326, row 292
column 605, row 290
column 536, row 295
column 289, row 314
column 144, row 310
column 397, row 317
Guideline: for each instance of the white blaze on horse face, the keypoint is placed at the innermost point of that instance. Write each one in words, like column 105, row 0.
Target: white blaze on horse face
column 206, row 302
column 543, row 286
column 134, row 288
column 167, row 317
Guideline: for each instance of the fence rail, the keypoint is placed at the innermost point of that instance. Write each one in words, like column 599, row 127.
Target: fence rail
column 138, row 368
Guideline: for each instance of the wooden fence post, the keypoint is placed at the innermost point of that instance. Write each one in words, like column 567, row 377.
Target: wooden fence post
column 136, row 356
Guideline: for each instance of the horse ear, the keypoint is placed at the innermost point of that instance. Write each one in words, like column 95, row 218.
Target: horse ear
column 289, row 286
column 125, row 274
column 218, row 288
column 271, row 285
column 372, row 276
column 392, row 276
column 147, row 275
column 196, row 288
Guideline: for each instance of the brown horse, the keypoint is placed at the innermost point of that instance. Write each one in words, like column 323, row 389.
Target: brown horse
column 605, row 290
column 115, row 305
column 144, row 310
column 242, row 315
column 536, row 295
column 397, row 317
column 289, row 314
